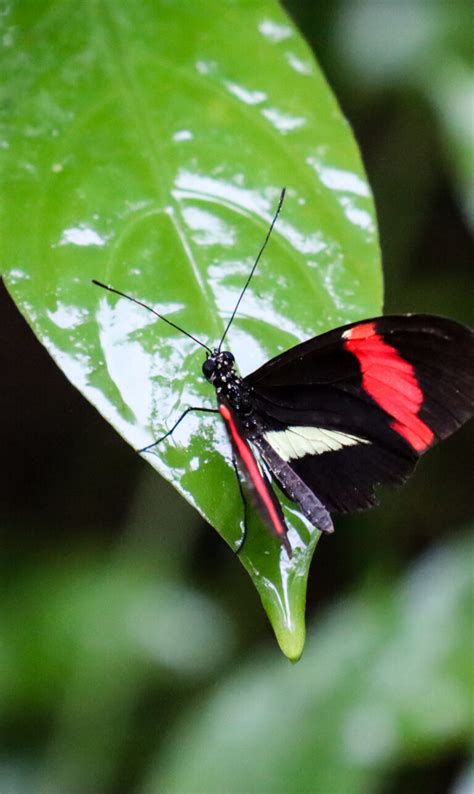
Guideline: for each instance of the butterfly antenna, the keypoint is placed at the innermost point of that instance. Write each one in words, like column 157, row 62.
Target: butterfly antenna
column 280, row 202
column 139, row 303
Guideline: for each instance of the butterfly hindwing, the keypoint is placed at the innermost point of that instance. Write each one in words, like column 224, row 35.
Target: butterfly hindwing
column 293, row 485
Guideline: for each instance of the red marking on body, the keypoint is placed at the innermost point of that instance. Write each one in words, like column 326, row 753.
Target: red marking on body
column 391, row 382
column 251, row 465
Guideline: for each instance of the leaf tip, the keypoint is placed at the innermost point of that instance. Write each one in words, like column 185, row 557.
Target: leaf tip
column 291, row 642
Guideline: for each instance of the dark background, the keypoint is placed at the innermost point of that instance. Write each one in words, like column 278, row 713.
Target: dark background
column 72, row 488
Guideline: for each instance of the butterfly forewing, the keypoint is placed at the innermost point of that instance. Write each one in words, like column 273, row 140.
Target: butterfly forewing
column 355, row 407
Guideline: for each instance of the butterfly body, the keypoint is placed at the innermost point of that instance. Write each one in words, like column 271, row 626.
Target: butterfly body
column 343, row 412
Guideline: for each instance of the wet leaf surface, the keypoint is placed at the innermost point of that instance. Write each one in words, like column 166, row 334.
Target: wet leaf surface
column 146, row 146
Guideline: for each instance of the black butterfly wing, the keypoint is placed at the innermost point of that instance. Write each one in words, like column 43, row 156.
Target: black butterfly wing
column 357, row 406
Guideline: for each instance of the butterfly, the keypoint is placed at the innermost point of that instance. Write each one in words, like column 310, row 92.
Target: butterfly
column 337, row 415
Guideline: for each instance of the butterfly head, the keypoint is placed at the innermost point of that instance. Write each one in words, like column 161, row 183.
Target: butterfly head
column 219, row 369
column 218, row 366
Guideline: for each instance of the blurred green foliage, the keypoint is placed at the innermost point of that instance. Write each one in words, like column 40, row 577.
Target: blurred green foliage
column 386, row 675
column 92, row 699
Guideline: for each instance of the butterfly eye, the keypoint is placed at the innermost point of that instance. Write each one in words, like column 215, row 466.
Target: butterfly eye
column 208, row 368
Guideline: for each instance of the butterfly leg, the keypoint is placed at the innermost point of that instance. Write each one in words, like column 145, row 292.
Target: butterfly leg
column 185, row 413
column 244, row 502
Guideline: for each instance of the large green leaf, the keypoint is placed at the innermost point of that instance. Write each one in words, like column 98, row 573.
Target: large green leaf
column 145, row 145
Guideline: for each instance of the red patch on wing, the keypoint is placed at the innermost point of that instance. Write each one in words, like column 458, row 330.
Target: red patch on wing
column 250, row 464
column 391, row 381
